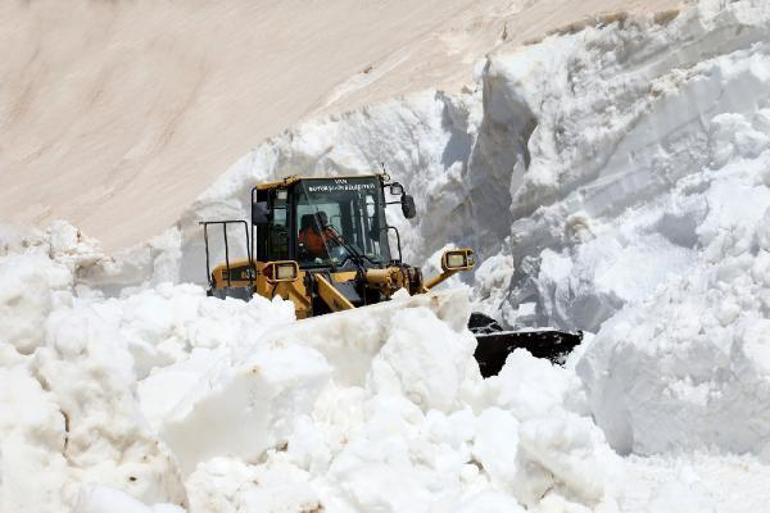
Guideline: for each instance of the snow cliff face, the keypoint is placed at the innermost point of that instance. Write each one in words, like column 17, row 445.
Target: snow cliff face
column 578, row 148
column 614, row 179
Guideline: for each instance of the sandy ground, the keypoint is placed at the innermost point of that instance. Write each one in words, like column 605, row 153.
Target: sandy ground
column 116, row 114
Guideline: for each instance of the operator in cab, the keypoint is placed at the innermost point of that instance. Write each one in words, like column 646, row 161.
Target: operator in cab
column 315, row 235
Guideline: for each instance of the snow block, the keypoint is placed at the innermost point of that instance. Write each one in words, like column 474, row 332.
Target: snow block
column 351, row 339
column 249, row 409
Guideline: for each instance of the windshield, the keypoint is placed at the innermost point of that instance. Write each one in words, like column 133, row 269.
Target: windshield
column 338, row 222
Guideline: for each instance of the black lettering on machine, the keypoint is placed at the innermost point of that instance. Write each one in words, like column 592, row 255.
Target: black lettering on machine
column 342, row 187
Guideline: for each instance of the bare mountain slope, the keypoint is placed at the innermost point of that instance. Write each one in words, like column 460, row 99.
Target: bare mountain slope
column 115, row 115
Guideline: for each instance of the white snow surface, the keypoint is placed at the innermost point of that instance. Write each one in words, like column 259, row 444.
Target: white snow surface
column 614, row 179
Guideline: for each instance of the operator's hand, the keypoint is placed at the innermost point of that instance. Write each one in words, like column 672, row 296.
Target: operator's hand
column 335, row 235
column 304, row 254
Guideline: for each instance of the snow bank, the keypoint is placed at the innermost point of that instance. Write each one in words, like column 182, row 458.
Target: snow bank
column 165, row 398
column 691, row 365
column 642, row 214
column 603, row 211
column 75, row 418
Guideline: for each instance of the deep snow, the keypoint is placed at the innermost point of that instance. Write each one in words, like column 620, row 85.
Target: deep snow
column 614, row 179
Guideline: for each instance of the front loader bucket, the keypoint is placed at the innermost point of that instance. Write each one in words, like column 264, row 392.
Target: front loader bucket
column 494, row 344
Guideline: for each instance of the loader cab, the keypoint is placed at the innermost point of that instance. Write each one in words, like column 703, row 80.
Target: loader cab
column 323, row 243
column 325, row 223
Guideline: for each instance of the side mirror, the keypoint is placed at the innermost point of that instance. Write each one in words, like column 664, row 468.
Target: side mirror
column 396, row 189
column 260, row 214
column 407, row 206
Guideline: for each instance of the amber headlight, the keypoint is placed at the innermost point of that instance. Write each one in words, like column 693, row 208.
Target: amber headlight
column 458, row 260
column 284, row 271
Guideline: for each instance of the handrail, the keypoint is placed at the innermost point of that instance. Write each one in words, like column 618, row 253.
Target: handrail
column 398, row 241
column 224, row 224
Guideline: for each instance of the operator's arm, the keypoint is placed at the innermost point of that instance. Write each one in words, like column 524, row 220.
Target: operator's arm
column 331, row 234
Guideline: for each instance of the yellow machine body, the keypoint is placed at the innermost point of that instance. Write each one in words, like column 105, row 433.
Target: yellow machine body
column 355, row 281
column 387, row 281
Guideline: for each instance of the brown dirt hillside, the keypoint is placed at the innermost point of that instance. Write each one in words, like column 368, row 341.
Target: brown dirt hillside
column 116, row 114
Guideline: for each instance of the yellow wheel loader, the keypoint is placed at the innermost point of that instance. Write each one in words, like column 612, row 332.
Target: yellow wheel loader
column 324, row 244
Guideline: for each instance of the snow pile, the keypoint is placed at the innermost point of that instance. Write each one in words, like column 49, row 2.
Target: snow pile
column 421, row 432
column 68, row 408
column 164, row 400
column 70, row 363
column 165, row 396
column 691, row 365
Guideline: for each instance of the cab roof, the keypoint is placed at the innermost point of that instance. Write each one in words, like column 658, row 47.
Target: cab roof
column 291, row 180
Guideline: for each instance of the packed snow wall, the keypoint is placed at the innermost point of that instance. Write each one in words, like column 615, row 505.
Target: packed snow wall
column 613, row 178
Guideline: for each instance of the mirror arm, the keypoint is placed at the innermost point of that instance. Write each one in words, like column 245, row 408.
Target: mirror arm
column 428, row 285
